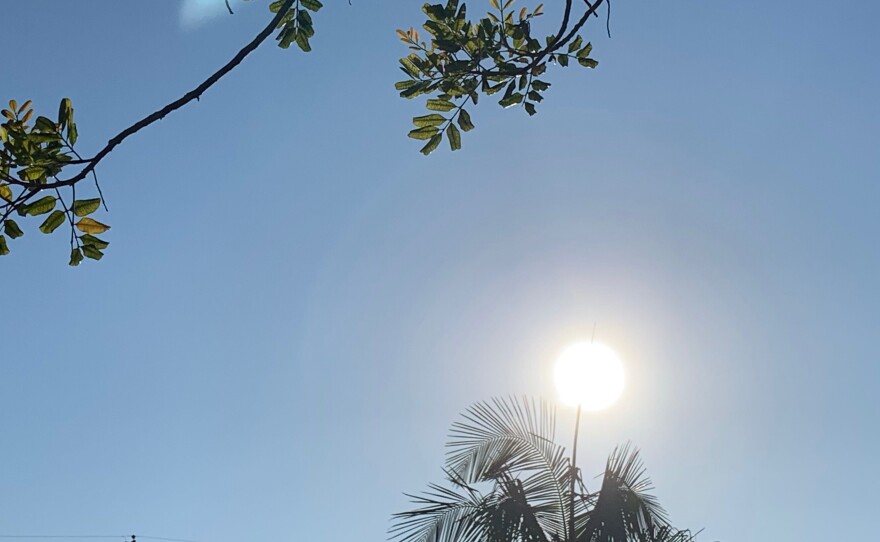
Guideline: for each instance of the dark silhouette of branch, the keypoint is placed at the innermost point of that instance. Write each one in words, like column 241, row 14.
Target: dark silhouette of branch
column 194, row 94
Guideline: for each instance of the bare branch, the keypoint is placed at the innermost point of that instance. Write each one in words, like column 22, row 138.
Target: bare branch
column 194, row 94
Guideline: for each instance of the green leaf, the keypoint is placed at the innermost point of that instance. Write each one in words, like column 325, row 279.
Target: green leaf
column 32, row 173
column 303, row 42
column 72, row 134
column 89, row 239
column 435, row 11
column 464, row 121
column 454, row 137
column 432, row 144
column 539, row 85
column 588, row 62
column 4, row 248
column 64, row 111
column 40, row 207
column 490, row 89
column 76, row 256
column 434, row 119
column 312, row 5
column 44, row 124
column 423, row 133
column 52, row 222
column 563, row 60
column 85, row 207
column 435, row 104
column 403, row 85
column 12, row 229
column 511, row 100
column 5, row 192
column 92, row 252
column 585, row 52
column 574, row 45
column 530, row 108
column 409, row 67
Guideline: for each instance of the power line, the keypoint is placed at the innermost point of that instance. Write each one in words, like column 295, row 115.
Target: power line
column 72, row 536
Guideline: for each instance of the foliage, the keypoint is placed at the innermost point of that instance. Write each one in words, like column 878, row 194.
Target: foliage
column 508, row 481
column 40, row 170
column 496, row 54
column 32, row 155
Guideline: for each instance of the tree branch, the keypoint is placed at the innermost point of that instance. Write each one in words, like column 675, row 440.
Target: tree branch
column 577, row 27
column 175, row 105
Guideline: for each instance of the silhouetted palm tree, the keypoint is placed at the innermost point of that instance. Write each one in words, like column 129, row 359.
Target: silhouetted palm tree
column 508, row 481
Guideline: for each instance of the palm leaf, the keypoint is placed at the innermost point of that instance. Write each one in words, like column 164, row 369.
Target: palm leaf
column 624, row 509
column 444, row 515
column 515, row 437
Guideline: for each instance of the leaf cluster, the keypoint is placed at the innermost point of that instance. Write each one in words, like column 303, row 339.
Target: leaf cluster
column 31, row 157
column 296, row 26
column 463, row 59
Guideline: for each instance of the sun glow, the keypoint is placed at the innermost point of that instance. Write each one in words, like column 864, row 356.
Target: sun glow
column 589, row 375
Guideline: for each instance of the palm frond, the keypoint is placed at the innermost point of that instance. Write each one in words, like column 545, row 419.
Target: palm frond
column 514, row 436
column 444, row 515
column 624, row 509
column 507, row 481
column 670, row 534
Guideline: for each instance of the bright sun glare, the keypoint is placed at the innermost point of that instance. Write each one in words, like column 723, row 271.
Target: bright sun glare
column 589, row 375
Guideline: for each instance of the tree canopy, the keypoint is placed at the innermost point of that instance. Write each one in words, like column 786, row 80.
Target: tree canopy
column 46, row 179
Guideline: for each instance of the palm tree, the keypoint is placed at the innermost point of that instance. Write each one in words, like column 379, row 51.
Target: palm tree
column 508, row 481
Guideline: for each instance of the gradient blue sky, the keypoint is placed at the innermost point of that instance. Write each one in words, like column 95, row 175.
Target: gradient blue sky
column 296, row 304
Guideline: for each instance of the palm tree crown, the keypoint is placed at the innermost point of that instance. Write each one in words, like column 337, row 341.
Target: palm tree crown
column 508, row 481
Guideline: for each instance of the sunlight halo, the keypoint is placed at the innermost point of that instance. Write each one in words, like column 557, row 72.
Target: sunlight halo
column 590, row 375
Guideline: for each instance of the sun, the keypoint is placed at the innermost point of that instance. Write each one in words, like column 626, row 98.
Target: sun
column 589, row 375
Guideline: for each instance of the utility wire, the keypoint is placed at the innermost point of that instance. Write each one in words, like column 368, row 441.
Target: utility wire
column 71, row 536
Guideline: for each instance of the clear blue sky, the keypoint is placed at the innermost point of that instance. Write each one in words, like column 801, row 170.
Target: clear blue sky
column 296, row 304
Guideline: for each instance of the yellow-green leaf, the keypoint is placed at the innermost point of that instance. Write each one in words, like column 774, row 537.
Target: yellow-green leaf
column 464, row 121
column 52, row 222
column 5, row 192
column 435, row 104
column 423, row 133
column 4, row 248
column 434, row 119
column 85, row 207
column 432, row 144
column 88, row 239
column 41, row 206
column 88, row 225
column 32, row 173
column 454, row 137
